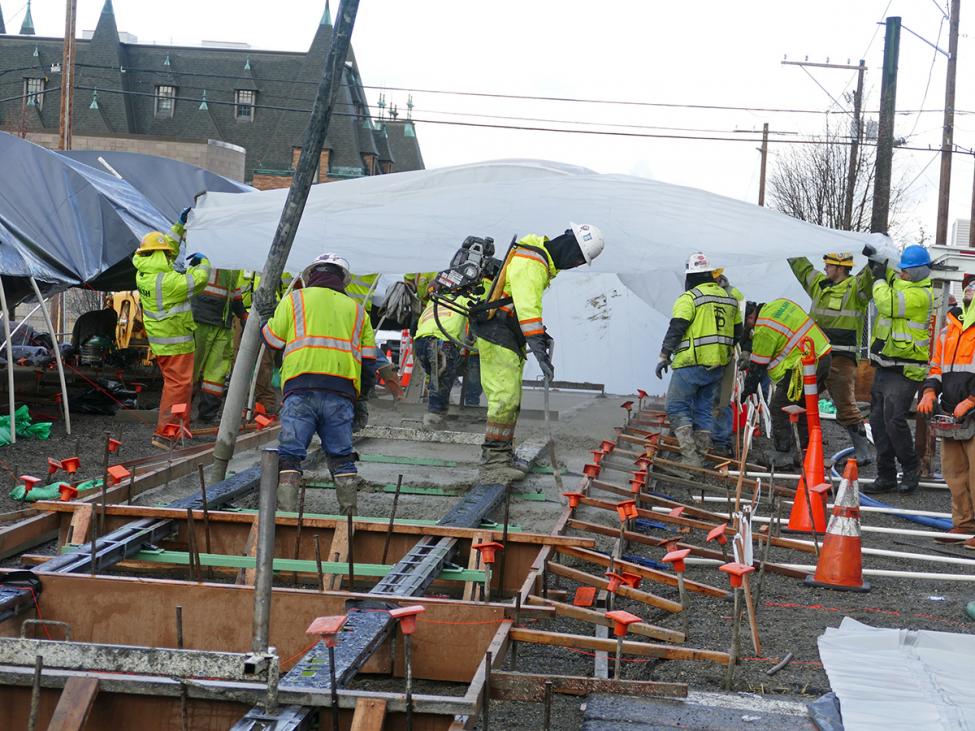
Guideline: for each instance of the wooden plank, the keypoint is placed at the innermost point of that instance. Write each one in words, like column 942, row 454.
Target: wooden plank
column 81, row 524
column 598, row 618
column 643, row 649
column 311, row 521
column 582, row 577
column 662, row 577
column 370, row 714
column 248, row 576
column 473, row 562
column 337, row 551
column 77, row 698
column 530, row 688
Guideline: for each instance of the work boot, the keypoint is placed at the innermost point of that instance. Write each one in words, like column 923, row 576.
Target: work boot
column 346, row 487
column 432, row 420
column 688, row 446
column 497, row 466
column 863, row 449
column 880, row 486
column 289, row 483
column 208, row 408
column 360, row 415
column 779, row 459
column 702, row 439
column 909, row 482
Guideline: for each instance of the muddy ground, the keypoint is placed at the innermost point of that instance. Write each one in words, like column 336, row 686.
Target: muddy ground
column 791, row 615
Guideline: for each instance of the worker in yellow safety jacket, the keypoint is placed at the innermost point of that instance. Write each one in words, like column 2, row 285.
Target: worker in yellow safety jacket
column 839, row 307
column 438, row 346
column 899, row 353
column 776, row 331
column 264, row 391
column 321, row 331
column 361, row 288
column 165, row 295
column 502, row 338
column 705, row 324
column 214, row 309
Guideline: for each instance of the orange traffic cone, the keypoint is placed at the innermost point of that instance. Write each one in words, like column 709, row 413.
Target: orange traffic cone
column 813, row 474
column 406, row 359
column 840, row 564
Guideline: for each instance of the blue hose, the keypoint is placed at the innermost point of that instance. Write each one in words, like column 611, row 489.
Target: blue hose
column 938, row 523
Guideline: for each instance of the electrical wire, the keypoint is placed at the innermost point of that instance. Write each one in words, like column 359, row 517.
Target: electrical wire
column 927, row 86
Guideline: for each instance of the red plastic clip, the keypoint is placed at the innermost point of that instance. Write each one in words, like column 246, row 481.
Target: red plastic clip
column 407, row 617
column 614, row 579
column 263, row 421
column 641, row 393
column 607, row 446
column 327, row 628
column 574, row 499
column 179, row 410
column 592, row 471
column 117, row 473
column 621, row 620
column 736, row 572
column 29, row 483
column 627, row 509
column 67, row 491
column 677, row 559
column 597, row 456
column 70, row 464
column 585, row 596
column 630, row 579
column 487, row 550
column 628, row 405
column 718, row 534
column 52, row 466
column 113, row 444
column 676, row 512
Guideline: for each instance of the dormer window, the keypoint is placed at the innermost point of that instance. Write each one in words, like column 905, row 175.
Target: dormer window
column 165, row 101
column 34, row 93
column 244, row 102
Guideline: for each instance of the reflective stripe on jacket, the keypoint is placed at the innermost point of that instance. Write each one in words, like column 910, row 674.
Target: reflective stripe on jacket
column 710, row 338
column 952, row 369
column 213, row 304
column 164, row 295
column 454, row 324
column 322, row 333
column 778, row 332
column 359, row 286
column 901, row 335
column 530, row 271
column 839, row 309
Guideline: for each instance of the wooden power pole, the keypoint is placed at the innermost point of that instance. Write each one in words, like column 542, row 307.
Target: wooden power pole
column 67, row 77
column 948, row 132
column 764, row 151
column 885, row 132
column 851, row 175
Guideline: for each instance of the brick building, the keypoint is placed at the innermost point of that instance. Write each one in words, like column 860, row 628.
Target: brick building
column 229, row 108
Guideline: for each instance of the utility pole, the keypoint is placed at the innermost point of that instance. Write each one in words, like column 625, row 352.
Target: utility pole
column 67, row 76
column 764, row 151
column 948, row 133
column 851, row 175
column 885, row 132
column 284, row 237
column 971, row 219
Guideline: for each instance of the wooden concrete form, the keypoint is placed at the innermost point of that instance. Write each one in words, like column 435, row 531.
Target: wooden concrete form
column 509, row 686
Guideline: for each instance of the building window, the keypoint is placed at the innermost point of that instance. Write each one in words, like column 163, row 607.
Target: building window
column 165, row 101
column 244, row 104
column 34, row 93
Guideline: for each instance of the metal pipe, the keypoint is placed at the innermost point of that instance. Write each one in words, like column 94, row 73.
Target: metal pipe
column 334, row 687
column 486, row 706
column 57, row 355
column 318, row 564
column 308, row 161
column 934, row 576
column 11, row 401
column 20, row 324
column 265, row 549
column 35, row 691
column 862, row 480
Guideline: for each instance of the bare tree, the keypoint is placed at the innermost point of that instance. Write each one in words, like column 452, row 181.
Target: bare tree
column 810, row 182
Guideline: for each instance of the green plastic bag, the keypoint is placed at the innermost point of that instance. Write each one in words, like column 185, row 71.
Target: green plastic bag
column 25, row 429
column 50, row 492
column 826, row 406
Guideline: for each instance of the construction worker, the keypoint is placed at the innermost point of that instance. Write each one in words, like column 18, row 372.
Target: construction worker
column 705, row 324
column 723, row 417
column 264, row 392
column 777, row 330
column 435, row 345
column 839, row 307
column 321, row 331
column 165, row 296
column 360, row 288
column 899, row 352
column 213, row 310
column 952, row 376
column 502, row 338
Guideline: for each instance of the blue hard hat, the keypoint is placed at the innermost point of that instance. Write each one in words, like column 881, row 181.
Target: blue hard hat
column 915, row 255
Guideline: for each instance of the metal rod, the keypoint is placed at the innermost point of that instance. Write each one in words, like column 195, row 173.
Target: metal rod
column 57, row 355
column 11, row 401
column 195, row 565
column 392, row 518
column 94, row 546
column 514, row 645
column 265, row 549
column 301, row 520
column 335, row 690
column 408, row 651
column 486, row 705
column 206, row 518
column 184, row 716
column 35, row 691
column 318, row 564
column 547, row 709
column 349, row 549
column 618, row 664
column 504, row 539
column 735, row 636
column 685, row 604
column 104, row 499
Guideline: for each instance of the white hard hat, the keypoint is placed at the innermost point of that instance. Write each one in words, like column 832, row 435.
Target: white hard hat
column 698, row 263
column 333, row 259
column 590, row 240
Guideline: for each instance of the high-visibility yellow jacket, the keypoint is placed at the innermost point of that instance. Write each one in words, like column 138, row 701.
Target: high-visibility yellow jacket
column 710, row 337
column 249, row 281
column 359, row 286
column 839, row 309
column 321, row 332
column 165, row 297
column 453, row 323
column 778, row 332
column 220, row 299
column 423, row 282
column 901, row 338
column 529, row 274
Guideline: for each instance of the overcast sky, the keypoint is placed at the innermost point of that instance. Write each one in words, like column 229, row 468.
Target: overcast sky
column 710, row 52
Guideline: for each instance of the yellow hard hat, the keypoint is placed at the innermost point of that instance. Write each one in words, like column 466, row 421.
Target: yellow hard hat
column 840, row 259
column 717, row 272
column 156, row 241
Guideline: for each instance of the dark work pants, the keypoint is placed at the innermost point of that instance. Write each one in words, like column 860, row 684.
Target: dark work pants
column 890, row 402
column 782, row 436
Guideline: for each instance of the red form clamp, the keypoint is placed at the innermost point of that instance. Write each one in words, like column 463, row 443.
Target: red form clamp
column 627, row 509
column 677, row 559
column 736, row 572
column 407, row 617
column 70, row 464
column 574, row 498
column 621, row 621
column 327, row 628
column 487, row 550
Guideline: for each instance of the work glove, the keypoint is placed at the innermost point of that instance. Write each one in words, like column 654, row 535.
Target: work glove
column 663, row 365
column 869, row 251
column 926, row 404
column 196, row 258
column 753, row 378
column 178, row 230
column 878, row 268
column 540, row 345
column 962, row 408
column 184, row 214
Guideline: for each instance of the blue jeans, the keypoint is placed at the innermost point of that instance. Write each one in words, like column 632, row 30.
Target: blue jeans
column 472, row 383
column 306, row 413
column 691, row 396
column 426, row 350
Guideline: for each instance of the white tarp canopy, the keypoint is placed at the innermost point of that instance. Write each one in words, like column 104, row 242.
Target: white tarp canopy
column 415, row 221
